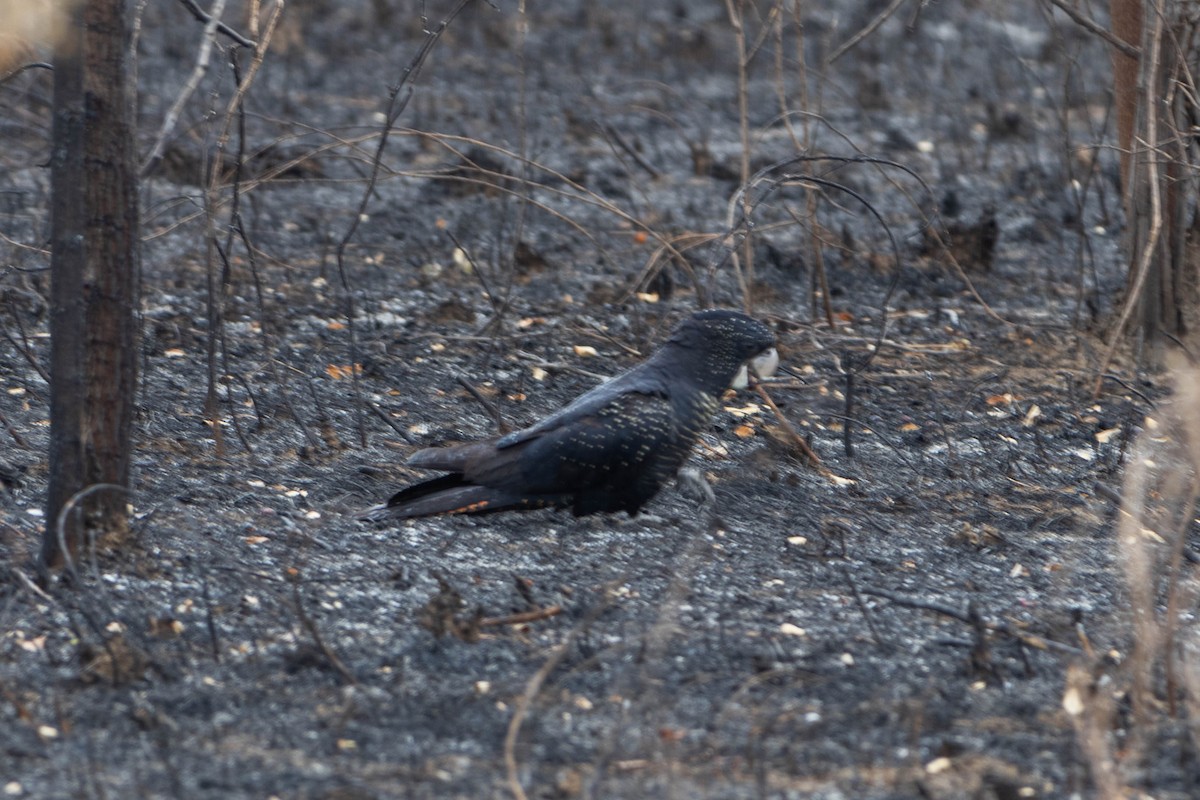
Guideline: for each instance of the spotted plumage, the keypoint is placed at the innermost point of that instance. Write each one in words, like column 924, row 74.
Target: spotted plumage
column 612, row 448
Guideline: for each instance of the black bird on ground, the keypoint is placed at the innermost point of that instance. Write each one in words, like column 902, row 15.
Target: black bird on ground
column 612, row 448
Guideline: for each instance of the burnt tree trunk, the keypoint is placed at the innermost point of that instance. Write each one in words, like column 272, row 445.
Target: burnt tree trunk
column 1155, row 106
column 1126, row 16
column 94, row 268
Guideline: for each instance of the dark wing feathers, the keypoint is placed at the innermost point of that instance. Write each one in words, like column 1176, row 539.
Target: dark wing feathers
column 600, row 449
column 641, row 380
column 451, row 459
column 609, row 458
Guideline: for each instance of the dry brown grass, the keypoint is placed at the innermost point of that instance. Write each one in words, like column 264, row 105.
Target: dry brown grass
column 1120, row 699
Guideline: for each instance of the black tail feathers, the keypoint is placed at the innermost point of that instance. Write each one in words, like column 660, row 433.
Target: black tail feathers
column 450, row 494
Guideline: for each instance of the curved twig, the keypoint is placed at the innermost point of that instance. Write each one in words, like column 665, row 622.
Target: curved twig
column 202, row 16
column 60, row 523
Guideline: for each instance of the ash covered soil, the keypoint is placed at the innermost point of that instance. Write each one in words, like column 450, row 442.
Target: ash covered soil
column 901, row 624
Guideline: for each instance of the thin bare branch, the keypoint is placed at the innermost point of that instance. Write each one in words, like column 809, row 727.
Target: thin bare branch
column 199, row 70
column 867, row 30
column 211, row 19
column 18, row 70
column 1090, row 25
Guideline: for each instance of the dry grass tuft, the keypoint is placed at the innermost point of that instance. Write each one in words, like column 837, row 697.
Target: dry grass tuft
column 1120, row 701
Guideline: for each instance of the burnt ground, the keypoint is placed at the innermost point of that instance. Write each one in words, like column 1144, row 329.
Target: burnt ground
column 905, row 624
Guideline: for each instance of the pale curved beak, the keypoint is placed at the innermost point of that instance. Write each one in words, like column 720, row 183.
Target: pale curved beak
column 762, row 365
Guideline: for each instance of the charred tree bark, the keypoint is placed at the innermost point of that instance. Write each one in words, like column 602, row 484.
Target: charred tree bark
column 94, row 266
column 67, row 255
column 1155, row 107
column 1126, row 16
